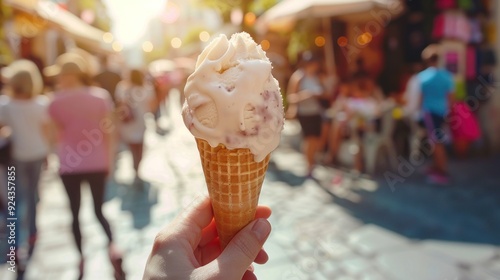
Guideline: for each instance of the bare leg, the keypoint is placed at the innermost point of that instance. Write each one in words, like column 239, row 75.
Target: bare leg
column 358, row 159
column 325, row 131
column 335, row 141
column 440, row 158
column 136, row 150
column 310, row 149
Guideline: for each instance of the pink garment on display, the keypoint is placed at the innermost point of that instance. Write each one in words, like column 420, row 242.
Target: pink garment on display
column 470, row 62
column 462, row 28
column 445, row 4
column 449, row 25
column 452, row 26
column 438, row 28
column 82, row 118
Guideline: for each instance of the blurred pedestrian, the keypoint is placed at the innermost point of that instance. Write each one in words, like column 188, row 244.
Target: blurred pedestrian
column 107, row 79
column 83, row 117
column 437, row 87
column 356, row 109
column 25, row 113
column 134, row 98
column 164, row 76
column 409, row 102
column 330, row 83
column 305, row 91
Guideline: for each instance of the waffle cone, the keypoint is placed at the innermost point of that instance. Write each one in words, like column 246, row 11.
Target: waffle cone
column 234, row 181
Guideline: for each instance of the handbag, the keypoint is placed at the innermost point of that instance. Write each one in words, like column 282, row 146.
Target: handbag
column 463, row 123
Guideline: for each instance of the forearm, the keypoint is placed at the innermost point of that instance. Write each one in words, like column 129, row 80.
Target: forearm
column 303, row 95
column 110, row 140
column 153, row 105
column 51, row 134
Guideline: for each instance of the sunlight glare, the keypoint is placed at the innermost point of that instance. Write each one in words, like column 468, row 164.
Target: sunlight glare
column 131, row 18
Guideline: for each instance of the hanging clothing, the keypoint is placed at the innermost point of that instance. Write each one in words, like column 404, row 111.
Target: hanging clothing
column 471, row 64
column 452, row 26
column 445, row 4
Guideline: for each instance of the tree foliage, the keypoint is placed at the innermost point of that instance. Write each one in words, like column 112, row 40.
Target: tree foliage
column 225, row 7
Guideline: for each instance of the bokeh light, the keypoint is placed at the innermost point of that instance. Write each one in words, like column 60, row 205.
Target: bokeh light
column 364, row 38
column 88, row 16
column 117, row 46
column 265, row 44
column 172, row 13
column 176, row 42
column 250, row 19
column 319, row 41
column 204, row 36
column 236, row 16
column 342, row 41
column 107, row 37
column 147, row 46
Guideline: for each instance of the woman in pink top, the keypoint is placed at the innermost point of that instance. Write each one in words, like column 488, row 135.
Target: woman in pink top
column 83, row 117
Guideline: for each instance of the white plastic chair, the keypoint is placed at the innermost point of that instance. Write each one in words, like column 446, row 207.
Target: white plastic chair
column 374, row 143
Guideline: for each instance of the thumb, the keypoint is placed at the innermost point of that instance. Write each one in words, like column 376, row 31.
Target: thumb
column 243, row 249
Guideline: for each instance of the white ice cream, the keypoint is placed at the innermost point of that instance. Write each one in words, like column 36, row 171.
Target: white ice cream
column 232, row 97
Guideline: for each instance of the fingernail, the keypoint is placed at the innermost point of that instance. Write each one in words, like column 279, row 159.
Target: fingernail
column 261, row 228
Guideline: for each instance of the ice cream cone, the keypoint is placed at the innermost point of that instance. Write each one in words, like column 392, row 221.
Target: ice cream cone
column 234, row 181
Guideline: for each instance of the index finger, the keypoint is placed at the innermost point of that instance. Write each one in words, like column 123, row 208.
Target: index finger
column 210, row 232
column 263, row 212
column 191, row 222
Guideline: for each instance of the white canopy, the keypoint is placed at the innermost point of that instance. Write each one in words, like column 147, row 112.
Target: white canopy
column 286, row 12
column 71, row 24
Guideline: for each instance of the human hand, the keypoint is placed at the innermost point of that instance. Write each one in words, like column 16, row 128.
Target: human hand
column 189, row 247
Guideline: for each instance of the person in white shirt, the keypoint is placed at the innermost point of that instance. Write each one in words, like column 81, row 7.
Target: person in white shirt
column 25, row 113
column 412, row 95
column 134, row 98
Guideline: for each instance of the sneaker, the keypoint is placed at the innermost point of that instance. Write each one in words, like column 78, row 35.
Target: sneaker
column 337, row 180
column 31, row 245
column 20, row 273
column 116, row 260
column 81, row 268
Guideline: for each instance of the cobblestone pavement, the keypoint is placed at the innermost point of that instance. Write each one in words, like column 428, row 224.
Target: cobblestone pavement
column 354, row 228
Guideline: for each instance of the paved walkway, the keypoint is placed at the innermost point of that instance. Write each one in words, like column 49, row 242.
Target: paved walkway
column 354, row 228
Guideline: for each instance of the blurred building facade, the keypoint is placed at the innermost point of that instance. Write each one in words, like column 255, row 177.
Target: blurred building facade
column 41, row 30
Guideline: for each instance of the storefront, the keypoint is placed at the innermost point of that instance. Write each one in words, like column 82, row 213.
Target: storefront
column 42, row 30
column 389, row 39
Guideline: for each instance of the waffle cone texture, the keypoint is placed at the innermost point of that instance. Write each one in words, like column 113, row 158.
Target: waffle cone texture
column 234, row 181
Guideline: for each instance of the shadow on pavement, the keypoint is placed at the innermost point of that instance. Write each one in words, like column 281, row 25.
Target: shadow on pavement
column 138, row 200
column 274, row 173
column 468, row 210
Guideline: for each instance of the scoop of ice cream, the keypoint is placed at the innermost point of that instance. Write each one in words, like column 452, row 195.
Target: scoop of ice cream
column 232, row 97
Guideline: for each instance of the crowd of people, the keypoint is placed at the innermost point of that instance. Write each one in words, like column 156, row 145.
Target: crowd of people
column 83, row 119
column 332, row 111
column 329, row 110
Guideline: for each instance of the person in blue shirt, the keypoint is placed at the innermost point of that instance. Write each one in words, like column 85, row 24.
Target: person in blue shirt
column 437, row 87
